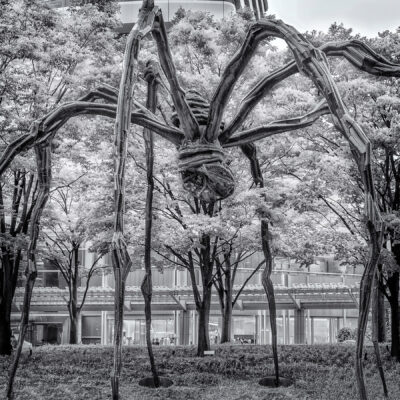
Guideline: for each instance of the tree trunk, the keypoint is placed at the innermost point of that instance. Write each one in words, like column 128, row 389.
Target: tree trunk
column 375, row 331
column 203, row 343
column 11, row 259
column 393, row 286
column 381, row 318
column 73, row 292
column 73, row 324
column 43, row 160
column 7, row 286
column 226, row 333
column 5, row 325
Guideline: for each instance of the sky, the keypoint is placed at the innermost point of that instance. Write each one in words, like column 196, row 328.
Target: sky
column 367, row 17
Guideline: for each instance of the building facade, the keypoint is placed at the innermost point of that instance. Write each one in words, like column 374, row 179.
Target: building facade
column 312, row 306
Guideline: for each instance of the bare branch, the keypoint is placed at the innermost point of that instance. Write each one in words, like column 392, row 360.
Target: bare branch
column 89, row 276
column 247, row 281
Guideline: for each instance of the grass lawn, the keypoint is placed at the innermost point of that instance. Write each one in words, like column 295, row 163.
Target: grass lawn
column 82, row 372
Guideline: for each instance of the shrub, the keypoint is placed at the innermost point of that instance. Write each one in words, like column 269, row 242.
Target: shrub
column 346, row 334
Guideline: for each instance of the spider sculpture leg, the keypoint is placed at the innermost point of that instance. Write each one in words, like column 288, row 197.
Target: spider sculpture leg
column 57, row 118
column 357, row 53
column 250, row 151
column 312, row 63
column 43, row 162
column 51, row 123
column 187, row 120
column 120, row 256
column 151, row 76
column 281, row 126
column 40, row 137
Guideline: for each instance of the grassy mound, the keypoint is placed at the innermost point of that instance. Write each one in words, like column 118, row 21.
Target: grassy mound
column 82, row 372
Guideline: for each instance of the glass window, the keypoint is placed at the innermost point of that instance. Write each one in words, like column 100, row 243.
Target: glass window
column 291, row 330
column 50, row 274
column 91, row 326
column 163, row 331
column 134, row 331
column 47, row 334
column 280, row 330
column 91, row 329
column 214, row 329
column 334, row 329
column 244, row 329
column 321, row 330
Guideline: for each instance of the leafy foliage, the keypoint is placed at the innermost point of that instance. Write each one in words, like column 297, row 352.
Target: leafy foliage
column 346, row 334
column 320, row 372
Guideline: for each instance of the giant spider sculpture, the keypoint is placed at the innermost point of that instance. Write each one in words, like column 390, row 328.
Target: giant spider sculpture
column 201, row 139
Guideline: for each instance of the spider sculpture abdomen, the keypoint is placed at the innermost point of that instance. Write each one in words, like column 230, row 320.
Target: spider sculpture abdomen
column 205, row 173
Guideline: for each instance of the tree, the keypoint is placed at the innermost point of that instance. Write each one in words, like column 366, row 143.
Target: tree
column 66, row 230
column 15, row 213
column 210, row 238
column 41, row 54
column 375, row 106
column 211, row 180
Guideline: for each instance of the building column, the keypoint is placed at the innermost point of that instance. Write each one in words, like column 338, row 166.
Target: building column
column 309, row 328
column 285, row 328
column 184, row 324
column 265, row 339
column 193, row 339
column 65, row 332
column 312, row 330
column 257, row 336
column 79, row 328
column 104, row 327
column 299, row 326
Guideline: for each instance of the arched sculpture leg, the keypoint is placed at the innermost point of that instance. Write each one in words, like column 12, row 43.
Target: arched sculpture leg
column 312, row 63
column 43, row 162
column 269, row 290
column 120, row 256
column 357, row 53
column 146, row 286
column 250, row 152
column 375, row 318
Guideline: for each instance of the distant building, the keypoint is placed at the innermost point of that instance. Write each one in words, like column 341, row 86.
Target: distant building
column 311, row 306
column 219, row 8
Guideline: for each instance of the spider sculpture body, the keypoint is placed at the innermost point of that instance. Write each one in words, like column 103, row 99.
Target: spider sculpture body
column 202, row 165
column 201, row 138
